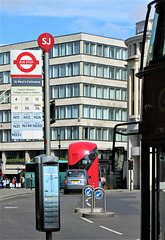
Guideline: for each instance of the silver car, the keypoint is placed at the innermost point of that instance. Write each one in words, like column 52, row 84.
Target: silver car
column 76, row 179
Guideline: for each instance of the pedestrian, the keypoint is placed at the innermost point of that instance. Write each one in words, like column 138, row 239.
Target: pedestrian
column 13, row 183
column 103, row 182
column 7, row 182
column 4, row 183
column 22, row 182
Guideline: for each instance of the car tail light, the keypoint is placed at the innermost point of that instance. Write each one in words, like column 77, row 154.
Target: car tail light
column 65, row 181
column 86, row 181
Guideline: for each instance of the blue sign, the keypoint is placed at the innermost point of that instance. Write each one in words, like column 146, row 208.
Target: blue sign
column 88, row 192
column 98, row 194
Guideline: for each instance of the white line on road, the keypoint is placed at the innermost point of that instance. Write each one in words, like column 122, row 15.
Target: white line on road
column 11, row 207
column 86, row 220
column 111, row 230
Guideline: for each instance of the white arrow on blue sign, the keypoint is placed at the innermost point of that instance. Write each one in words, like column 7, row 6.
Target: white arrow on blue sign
column 88, row 192
column 98, row 194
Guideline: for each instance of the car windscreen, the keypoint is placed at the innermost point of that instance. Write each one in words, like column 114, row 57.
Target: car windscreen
column 79, row 174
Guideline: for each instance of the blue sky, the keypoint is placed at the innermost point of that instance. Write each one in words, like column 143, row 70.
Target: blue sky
column 25, row 20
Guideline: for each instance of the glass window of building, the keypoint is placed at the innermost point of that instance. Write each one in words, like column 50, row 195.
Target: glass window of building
column 106, row 72
column 124, row 115
column 62, row 70
column 86, row 111
column 99, row 71
column 112, row 52
column 86, row 90
column 112, row 93
column 69, row 48
column 92, row 112
column 86, row 69
column 99, row 134
column 68, row 133
column 76, row 47
column 125, row 56
column 112, row 114
column 86, row 48
column 55, row 91
column 61, row 112
column 105, row 113
column 99, row 113
column 99, row 92
column 106, row 92
column 75, row 90
column 68, row 112
column 118, row 73
column 93, row 91
column 99, row 50
column 92, row 133
column 61, row 91
column 124, row 74
column 93, row 49
column 112, row 72
column 75, row 69
column 93, row 70
column 118, row 94
column 75, row 111
column 118, row 53
column 75, row 134
column 54, row 132
column 69, row 90
column 124, row 95
column 105, row 135
column 68, row 70
column 118, row 115
column 106, row 51
column 55, row 50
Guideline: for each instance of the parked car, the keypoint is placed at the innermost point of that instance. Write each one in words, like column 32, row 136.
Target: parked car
column 76, row 179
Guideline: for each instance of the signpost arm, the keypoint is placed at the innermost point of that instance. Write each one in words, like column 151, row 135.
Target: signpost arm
column 47, row 104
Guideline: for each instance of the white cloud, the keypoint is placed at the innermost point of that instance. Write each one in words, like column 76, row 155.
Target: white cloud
column 105, row 10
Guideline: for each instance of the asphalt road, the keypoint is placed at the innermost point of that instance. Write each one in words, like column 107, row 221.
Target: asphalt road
column 18, row 217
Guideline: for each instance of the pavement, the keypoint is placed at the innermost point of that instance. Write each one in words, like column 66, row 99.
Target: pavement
column 9, row 193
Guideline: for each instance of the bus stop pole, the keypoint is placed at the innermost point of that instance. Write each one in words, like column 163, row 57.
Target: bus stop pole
column 47, row 104
column 47, row 145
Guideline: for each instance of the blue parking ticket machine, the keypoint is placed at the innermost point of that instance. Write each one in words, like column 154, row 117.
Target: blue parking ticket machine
column 47, row 193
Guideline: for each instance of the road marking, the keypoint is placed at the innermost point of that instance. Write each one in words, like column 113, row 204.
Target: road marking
column 11, row 207
column 111, row 230
column 86, row 220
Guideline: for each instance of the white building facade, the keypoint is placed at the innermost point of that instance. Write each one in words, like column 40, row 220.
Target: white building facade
column 88, row 81
column 134, row 45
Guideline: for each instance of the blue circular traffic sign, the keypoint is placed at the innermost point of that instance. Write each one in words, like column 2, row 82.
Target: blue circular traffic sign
column 99, row 194
column 88, row 191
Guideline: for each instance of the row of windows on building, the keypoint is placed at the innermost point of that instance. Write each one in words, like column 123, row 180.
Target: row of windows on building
column 72, row 48
column 72, row 90
column 107, row 51
column 72, row 111
column 72, row 69
column 90, row 69
column 72, row 133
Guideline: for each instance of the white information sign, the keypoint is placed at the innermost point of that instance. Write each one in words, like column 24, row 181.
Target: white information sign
column 26, row 95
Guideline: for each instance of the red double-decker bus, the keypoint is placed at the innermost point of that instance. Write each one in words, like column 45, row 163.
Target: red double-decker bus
column 84, row 155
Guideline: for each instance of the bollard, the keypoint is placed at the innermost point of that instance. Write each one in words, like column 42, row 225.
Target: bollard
column 99, row 193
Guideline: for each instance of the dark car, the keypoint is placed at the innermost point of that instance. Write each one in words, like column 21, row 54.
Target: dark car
column 76, row 179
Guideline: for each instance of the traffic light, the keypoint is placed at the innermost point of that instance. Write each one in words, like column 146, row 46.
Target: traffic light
column 52, row 112
column 130, row 164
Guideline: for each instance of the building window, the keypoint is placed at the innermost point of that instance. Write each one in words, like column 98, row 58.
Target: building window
column 4, row 77
column 66, row 133
column 64, row 70
column 4, row 58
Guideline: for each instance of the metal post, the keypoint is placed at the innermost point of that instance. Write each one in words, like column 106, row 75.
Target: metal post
column 47, row 104
column 48, row 235
column 47, row 145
